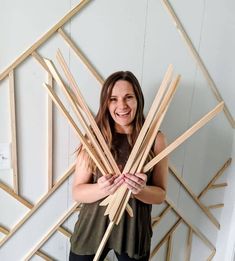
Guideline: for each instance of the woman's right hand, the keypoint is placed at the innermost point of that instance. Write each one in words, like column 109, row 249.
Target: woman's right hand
column 108, row 184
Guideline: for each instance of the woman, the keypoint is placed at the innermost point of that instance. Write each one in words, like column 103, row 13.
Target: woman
column 120, row 119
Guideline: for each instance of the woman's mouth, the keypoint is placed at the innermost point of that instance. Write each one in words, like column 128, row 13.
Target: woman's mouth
column 123, row 114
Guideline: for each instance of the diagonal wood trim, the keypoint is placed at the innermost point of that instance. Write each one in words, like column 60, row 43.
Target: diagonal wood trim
column 189, row 245
column 198, row 59
column 194, row 197
column 45, row 37
column 41, row 201
column 81, row 56
column 51, row 232
column 221, row 185
column 217, row 175
column 160, row 217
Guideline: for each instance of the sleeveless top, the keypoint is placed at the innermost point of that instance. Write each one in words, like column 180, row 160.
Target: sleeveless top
column 132, row 235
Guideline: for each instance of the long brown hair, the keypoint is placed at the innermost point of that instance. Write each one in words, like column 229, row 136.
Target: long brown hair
column 104, row 119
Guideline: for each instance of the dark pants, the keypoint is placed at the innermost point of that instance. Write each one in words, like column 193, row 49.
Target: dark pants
column 122, row 257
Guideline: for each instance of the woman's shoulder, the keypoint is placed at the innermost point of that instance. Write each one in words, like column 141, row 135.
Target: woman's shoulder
column 160, row 142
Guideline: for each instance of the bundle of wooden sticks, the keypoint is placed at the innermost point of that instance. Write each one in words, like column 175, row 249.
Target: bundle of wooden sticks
column 97, row 147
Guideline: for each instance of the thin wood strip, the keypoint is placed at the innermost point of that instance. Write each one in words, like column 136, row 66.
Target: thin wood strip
column 198, row 59
column 189, row 245
column 195, row 198
column 169, row 248
column 13, row 131
column 44, row 255
column 163, row 214
column 51, row 231
column 211, row 256
column 81, row 56
column 49, row 135
column 41, row 201
column 216, row 176
column 44, row 38
column 165, row 238
column 97, row 132
column 216, row 206
column 16, row 196
column 4, row 230
column 40, row 60
column 85, row 143
column 81, row 118
column 65, row 231
column 184, row 136
column 195, row 229
column 221, row 185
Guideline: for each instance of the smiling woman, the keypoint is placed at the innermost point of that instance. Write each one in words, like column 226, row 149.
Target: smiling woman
column 120, row 119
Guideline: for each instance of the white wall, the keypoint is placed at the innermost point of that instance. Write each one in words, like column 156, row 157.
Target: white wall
column 120, row 35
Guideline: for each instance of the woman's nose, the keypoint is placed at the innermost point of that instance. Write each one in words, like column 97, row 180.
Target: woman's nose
column 122, row 104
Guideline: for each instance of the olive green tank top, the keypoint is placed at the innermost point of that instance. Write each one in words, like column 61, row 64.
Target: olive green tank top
column 132, row 235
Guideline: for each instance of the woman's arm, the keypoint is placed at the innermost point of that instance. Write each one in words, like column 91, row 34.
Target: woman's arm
column 86, row 192
column 156, row 193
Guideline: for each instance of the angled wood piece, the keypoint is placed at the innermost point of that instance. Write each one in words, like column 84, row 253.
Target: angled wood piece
column 40, row 60
column 83, row 140
column 81, row 56
column 13, row 131
column 189, row 245
column 49, row 135
column 44, row 38
column 161, row 216
column 110, row 160
column 184, row 136
column 169, row 248
column 216, row 206
column 217, row 175
column 39, row 204
column 195, row 198
column 51, row 232
column 221, row 185
column 198, row 59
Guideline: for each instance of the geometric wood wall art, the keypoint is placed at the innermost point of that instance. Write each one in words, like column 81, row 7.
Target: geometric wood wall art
column 9, row 73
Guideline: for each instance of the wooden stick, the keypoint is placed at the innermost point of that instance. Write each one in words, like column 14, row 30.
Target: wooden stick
column 164, row 212
column 49, row 135
column 39, row 204
column 184, row 136
column 99, row 136
column 198, row 59
column 43, row 255
column 195, row 198
column 44, row 38
column 16, row 196
column 165, row 238
column 64, row 231
column 41, row 61
column 189, row 244
column 194, row 229
column 13, row 131
column 51, row 232
column 81, row 56
column 217, row 175
column 216, row 206
column 169, row 248
column 211, row 255
column 221, row 185
column 4, row 230
column 85, row 143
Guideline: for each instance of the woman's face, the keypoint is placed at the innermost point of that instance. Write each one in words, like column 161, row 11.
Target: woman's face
column 122, row 106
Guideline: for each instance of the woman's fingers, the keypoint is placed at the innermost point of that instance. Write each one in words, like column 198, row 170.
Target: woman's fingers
column 135, row 182
column 109, row 183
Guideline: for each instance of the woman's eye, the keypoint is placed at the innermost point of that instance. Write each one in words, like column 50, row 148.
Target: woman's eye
column 129, row 97
column 112, row 99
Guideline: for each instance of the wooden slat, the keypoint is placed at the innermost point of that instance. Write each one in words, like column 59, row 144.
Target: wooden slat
column 216, row 206
column 81, row 56
column 184, row 136
column 189, row 245
column 169, row 248
column 50, row 135
column 211, row 256
column 198, row 59
column 216, row 176
column 44, row 38
column 65, row 231
column 44, row 255
column 4, row 230
column 164, row 212
column 195, row 198
column 51, row 232
column 165, row 238
column 13, row 131
column 16, row 196
column 40, row 60
column 221, row 185
column 194, row 229
column 41, row 201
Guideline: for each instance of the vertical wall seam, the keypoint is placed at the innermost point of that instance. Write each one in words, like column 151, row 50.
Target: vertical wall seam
column 192, row 98
column 144, row 43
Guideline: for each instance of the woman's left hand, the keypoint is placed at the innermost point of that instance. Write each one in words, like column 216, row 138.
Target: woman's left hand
column 135, row 182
